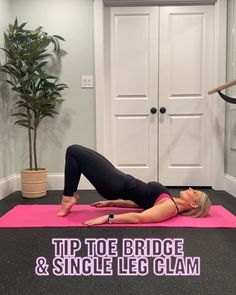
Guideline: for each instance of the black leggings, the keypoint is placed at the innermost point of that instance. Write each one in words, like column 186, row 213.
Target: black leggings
column 108, row 181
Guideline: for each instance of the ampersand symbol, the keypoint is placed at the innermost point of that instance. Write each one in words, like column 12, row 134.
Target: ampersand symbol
column 41, row 268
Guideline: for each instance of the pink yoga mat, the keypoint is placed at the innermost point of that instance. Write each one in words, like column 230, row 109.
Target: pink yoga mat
column 45, row 216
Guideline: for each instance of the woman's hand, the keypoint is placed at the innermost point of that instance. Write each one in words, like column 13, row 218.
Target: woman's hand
column 101, row 204
column 96, row 221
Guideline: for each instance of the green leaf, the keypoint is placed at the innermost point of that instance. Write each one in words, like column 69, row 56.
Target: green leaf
column 25, row 125
column 2, row 69
column 39, row 29
column 22, row 26
column 20, row 114
column 4, row 49
column 32, row 33
column 41, row 56
column 6, row 37
column 22, row 122
column 41, row 65
column 58, row 37
column 11, row 28
column 10, row 82
column 16, row 23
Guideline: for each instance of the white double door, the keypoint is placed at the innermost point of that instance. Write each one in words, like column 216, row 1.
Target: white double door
column 159, row 68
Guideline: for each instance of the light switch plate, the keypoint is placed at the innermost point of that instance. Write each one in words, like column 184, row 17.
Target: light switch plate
column 87, row 81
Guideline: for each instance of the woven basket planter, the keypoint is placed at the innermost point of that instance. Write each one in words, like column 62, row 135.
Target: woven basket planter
column 34, row 183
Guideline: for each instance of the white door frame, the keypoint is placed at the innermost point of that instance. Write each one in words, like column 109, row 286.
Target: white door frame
column 218, row 132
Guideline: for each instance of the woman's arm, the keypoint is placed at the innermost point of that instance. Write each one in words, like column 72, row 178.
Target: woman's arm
column 116, row 203
column 157, row 213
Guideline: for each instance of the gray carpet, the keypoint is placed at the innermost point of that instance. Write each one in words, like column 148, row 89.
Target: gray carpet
column 21, row 247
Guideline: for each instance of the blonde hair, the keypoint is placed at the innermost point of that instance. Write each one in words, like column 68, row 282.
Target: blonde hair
column 202, row 210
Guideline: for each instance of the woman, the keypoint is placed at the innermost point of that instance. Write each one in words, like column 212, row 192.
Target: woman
column 124, row 190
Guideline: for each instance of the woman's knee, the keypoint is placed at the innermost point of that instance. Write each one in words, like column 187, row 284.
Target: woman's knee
column 74, row 148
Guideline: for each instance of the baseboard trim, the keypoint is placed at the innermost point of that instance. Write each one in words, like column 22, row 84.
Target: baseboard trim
column 12, row 184
column 56, row 182
column 230, row 184
column 8, row 185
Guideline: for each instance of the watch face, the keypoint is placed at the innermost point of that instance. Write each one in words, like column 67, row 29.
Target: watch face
column 110, row 217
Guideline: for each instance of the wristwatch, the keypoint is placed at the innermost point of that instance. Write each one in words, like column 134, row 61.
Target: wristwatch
column 110, row 218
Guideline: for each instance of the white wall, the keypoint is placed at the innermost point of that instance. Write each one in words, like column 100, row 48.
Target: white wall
column 7, row 152
column 230, row 167
column 73, row 20
column 230, row 146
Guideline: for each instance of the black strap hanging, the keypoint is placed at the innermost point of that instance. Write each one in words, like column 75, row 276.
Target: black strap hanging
column 227, row 98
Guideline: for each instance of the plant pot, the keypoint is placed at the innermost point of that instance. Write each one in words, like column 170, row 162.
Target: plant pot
column 34, row 183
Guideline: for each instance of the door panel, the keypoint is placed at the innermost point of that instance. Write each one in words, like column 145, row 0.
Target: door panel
column 132, row 152
column 190, row 139
column 131, row 50
column 186, row 35
column 186, row 59
column 133, row 90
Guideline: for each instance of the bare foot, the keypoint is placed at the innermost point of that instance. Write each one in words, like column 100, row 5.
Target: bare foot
column 66, row 205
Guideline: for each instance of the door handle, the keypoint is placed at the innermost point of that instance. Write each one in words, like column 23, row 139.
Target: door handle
column 153, row 110
column 162, row 110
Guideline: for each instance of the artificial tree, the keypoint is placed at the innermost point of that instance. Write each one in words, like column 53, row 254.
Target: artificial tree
column 38, row 92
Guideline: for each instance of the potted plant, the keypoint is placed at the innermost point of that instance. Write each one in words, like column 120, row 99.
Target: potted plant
column 38, row 92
